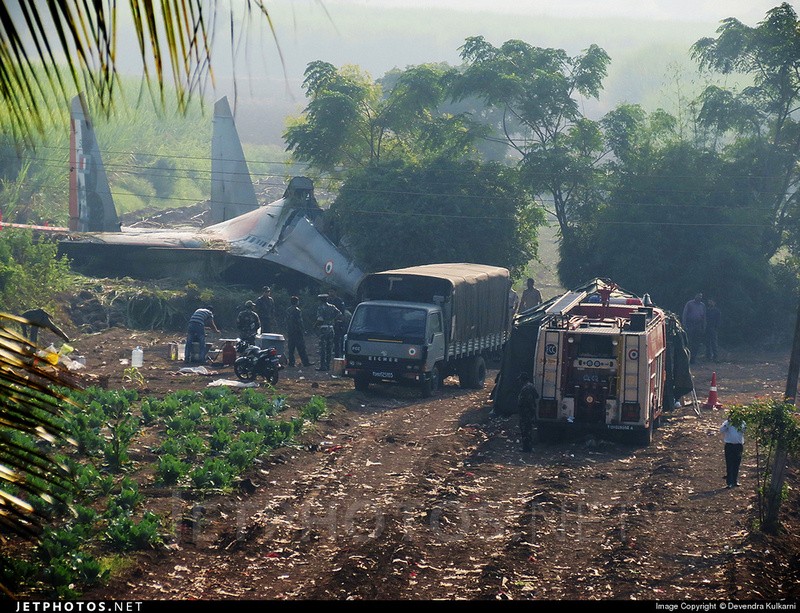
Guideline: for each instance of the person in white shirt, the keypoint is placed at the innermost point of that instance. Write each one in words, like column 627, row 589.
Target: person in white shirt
column 734, row 447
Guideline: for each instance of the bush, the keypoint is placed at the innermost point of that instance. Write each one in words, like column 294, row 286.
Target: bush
column 170, row 469
column 315, row 409
column 214, row 472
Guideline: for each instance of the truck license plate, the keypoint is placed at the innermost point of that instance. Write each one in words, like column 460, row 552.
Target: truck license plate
column 382, row 375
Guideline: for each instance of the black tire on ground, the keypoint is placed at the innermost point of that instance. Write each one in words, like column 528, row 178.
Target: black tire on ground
column 547, row 432
column 430, row 386
column 643, row 437
column 473, row 373
column 243, row 368
column 361, row 383
column 273, row 378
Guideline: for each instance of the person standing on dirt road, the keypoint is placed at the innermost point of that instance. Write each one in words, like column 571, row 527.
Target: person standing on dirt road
column 265, row 309
column 694, row 322
column 526, row 405
column 201, row 319
column 295, row 333
column 734, row 449
column 713, row 321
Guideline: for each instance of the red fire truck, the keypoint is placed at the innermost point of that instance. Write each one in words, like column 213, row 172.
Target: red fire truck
column 602, row 359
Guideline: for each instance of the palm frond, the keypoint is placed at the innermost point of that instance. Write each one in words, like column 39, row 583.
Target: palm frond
column 31, row 403
column 174, row 38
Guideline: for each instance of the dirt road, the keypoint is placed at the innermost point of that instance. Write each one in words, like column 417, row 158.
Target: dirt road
column 396, row 498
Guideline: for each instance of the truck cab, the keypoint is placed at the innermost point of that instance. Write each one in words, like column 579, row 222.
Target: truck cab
column 394, row 341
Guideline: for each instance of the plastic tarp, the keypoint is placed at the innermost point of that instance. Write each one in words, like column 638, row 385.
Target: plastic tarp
column 475, row 295
column 519, row 353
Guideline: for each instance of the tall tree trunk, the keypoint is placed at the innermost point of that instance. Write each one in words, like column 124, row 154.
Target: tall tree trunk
column 773, row 502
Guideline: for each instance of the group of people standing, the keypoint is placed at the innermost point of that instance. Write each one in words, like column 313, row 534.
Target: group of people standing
column 701, row 321
column 259, row 317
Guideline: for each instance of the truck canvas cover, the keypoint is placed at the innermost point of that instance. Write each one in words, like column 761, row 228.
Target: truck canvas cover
column 477, row 293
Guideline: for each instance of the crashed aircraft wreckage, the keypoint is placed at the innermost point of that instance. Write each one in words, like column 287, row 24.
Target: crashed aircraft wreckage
column 247, row 242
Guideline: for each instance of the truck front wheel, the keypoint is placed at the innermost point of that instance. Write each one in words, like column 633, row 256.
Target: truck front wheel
column 361, row 383
column 430, row 385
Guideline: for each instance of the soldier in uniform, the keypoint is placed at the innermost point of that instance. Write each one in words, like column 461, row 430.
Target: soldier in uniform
column 326, row 318
column 295, row 337
column 340, row 325
column 248, row 323
column 265, row 309
column 526, row 404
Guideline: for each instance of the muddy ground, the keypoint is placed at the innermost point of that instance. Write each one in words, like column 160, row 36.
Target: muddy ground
column 392, row 497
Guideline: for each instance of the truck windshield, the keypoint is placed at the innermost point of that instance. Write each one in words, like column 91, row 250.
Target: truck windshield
column 388, row 321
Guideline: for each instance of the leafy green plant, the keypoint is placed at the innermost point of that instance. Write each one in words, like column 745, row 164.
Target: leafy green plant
column 194, row 412
column 170, row 469
column 241, row 454
column 315, row 409
column 194, row 446
column 129, row 496
column 180, row 425
column 214, row 473
column 126, row 534
column 30, row 270
column 775, row 427
column 132, row 374
column 169, row 446
column 220, row 440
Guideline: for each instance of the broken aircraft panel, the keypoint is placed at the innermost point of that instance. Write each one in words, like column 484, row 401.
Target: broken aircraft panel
column 254, row 240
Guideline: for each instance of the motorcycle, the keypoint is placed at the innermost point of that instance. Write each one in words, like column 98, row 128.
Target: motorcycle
column 254, row 361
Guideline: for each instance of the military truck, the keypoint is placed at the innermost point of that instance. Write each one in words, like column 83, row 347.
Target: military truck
column 418, row 325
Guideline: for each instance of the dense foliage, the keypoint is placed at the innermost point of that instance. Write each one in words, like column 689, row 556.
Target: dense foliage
column 400, row 214
column 31, row 274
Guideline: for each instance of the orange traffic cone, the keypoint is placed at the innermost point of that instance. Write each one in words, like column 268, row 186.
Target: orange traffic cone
column 712, row 402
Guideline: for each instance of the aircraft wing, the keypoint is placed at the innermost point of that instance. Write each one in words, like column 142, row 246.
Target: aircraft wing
column 280, row 235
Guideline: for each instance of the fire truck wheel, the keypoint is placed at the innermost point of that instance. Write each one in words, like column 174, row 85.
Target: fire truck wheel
column 548, row 432
column 361, row 383
column 643, row 437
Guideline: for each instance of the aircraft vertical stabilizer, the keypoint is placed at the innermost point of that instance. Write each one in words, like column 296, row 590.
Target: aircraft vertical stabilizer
column 232, row 192
column 91, row 207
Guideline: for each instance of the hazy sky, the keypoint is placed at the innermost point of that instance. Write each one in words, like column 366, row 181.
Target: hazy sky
column 646, row 40
column 748, row 11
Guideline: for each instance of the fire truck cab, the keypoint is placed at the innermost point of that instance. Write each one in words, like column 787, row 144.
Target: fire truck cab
column 600, row 364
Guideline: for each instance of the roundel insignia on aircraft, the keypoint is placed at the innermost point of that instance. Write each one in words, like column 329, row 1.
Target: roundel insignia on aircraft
column 328, row 267
column 633, row 354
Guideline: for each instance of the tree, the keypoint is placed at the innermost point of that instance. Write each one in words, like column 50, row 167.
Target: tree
column 401, row 214
column 351, row 122
column 761, row 115
column 536, row 88
column 174, row 38
column 774, row 426
column 672, row 220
